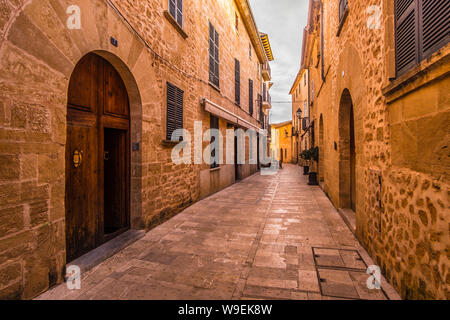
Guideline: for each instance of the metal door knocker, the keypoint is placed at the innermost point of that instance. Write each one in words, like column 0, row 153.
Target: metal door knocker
column 77, row 158
column 106, row 156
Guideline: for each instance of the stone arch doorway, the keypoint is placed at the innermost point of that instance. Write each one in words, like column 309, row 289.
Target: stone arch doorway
column 98, row 155
column 347, row 153
column 321, row 150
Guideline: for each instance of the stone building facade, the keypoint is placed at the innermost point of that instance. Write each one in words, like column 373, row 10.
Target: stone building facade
column 300, row 115
column 152, row 50
column 281, row 144
column 380, row 108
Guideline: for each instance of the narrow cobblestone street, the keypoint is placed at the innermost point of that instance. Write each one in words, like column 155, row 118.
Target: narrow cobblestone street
column 267, row 237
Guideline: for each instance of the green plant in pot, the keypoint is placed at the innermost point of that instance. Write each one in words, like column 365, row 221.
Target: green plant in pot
column 306, row 156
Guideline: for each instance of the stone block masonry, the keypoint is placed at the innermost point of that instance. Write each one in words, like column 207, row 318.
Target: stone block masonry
column 383, row 140
column 38, row 54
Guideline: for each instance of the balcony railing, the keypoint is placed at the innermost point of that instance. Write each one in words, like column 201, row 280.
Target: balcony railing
column 267, row 101
column 266, row 71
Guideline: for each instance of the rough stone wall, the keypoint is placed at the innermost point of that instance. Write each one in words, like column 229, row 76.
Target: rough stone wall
column 37, row 55
column 404, row 141
column 222, row 15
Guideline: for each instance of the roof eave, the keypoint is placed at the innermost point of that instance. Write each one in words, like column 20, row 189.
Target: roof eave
column 250, row 24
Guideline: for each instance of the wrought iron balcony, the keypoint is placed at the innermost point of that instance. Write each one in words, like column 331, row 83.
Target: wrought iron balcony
column 267, row 101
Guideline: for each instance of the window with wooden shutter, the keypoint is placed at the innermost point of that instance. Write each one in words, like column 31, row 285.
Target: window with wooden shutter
column 260, row 108
column 174, row 109
column 237, row 82
column 435, row 25
column 421, row 28
column 176, row 10
column 264, row 91
column 214, row 124
column 406, row 34
column 343, row 6
column 213, row 56
column 250, row 97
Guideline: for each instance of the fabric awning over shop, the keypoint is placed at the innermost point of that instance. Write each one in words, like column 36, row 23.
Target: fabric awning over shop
column 223, row 113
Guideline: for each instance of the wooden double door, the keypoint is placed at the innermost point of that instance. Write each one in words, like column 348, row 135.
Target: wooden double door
column 97, row 156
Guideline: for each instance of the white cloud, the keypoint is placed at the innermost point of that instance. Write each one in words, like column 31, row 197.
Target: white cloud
column 283, row 21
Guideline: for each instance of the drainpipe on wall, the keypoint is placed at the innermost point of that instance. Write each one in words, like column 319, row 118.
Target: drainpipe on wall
column 322, row 54
column 309, row 106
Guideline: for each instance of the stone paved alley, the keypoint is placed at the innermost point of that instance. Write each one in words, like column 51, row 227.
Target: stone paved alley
column 267, row 237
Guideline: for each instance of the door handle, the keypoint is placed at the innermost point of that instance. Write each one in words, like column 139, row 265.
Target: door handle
column 106, row 156
column 77, row 158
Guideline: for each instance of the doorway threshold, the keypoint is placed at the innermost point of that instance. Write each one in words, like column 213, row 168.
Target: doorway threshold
column 106, row 250
column 349, row 217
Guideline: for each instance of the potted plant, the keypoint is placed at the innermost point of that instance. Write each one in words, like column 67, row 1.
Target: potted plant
column 314, row 153
column 306, row 157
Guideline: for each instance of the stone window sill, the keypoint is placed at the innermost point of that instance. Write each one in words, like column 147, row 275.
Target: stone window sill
column 169, row 143
column 214, row 86
column 214, row 169
column 175, row 24
column 341, row 24
column 430, row 69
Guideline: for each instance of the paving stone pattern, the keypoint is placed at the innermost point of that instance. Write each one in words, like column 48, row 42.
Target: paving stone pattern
column 267, row 237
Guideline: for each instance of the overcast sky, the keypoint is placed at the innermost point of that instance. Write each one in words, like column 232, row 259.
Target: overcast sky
column 283, row 21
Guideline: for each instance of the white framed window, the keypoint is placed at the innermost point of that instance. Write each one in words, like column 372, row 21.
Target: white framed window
column 176, row 10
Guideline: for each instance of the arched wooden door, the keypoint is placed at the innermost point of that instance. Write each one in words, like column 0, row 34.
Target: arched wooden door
column 352, row 161
column 97, row 156
column 347, row 153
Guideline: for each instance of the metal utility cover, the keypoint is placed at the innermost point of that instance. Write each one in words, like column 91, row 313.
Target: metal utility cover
column 337, row 283
column 345, row 284
column 338, row 259
column 360, row 282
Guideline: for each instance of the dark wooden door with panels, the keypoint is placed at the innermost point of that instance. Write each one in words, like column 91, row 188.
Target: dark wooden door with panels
column 97, row 156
